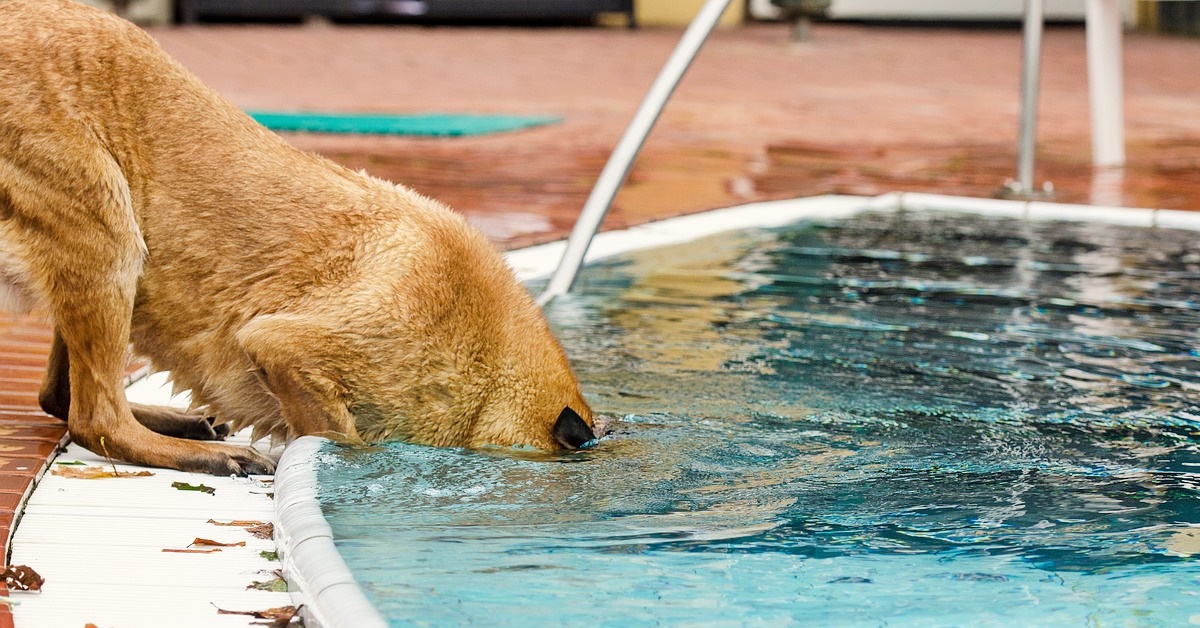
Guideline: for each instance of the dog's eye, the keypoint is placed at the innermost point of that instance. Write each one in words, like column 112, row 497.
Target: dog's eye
column 570, row 430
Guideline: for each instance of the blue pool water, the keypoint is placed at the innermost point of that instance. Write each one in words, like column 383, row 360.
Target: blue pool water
column 888, row 420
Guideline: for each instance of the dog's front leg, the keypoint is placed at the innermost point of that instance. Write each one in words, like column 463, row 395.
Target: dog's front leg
column 293, row 357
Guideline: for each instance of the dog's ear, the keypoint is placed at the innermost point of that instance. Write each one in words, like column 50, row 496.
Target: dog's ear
column 571, row 431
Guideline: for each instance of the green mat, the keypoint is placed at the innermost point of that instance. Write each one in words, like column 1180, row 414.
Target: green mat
column 429, row 125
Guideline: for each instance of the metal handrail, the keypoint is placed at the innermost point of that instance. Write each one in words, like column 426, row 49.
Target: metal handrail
column 621, row 160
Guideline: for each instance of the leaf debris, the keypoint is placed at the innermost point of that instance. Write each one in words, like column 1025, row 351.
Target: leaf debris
column 192, row 551
column 95, row 473
column 262, row 531
column 237, row 523
column 276, row 584
column 210, row 543
column 184, row 486
column 22, row 578
column 281, row 615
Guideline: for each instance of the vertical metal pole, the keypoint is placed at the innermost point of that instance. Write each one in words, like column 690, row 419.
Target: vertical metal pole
column 619, row 163
column 1104, row 24
column 1030, row 71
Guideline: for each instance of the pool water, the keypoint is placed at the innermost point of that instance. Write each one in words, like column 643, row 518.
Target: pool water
column 910, row 419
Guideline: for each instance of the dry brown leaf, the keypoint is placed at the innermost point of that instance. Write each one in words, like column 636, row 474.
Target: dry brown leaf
column 263, row 530
column 95, row 473
column 237, row 523
column 192, row 551
column 210, row 543
column 22, row 578
column 280, row 616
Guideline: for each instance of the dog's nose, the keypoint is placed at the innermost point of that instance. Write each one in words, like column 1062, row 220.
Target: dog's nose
column 571, row 431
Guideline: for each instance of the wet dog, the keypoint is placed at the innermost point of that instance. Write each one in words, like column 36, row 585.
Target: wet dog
column 286, row 292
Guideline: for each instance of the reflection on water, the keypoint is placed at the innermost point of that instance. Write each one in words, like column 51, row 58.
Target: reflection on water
column 902, row 419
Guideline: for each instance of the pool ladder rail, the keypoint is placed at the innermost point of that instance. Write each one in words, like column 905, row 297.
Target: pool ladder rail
column 1104, row 23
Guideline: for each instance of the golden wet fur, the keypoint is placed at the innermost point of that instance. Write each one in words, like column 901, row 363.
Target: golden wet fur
column 284, row 291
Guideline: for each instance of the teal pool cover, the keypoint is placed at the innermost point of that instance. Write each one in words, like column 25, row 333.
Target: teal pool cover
column 423, row 125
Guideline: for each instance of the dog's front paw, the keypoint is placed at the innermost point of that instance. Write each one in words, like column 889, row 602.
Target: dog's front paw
column 239, row 461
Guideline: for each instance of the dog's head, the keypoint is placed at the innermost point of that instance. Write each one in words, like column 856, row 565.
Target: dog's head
column 460, row 355
column 534, row 397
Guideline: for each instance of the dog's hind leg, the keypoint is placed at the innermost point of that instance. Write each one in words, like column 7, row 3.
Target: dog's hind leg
column 179, row 423
column 55, row 394
column 55, row 400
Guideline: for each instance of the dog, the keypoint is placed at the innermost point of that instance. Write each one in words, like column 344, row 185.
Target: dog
column 285, row 292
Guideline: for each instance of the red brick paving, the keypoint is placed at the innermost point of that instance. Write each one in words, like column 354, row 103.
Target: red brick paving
column 859, row 110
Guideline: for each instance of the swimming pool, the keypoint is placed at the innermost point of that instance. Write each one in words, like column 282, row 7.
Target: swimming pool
column 895, row 418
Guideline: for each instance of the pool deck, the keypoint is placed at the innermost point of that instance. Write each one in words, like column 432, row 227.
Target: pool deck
column 860, row 110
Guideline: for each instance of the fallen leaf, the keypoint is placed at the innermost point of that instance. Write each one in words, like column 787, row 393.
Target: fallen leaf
column 95, row 473
column 239, row 523
column 210, row 543
column 184, row 486
column 193, row 551
column 262, row 530
column 276, row 585
column 271, row 613
column 22, row 578
column 73, row 463
column 269, row 555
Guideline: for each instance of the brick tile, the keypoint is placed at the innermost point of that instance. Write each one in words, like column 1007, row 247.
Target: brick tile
column 21, row 384
column 17, row 484
column 27, row 448
column 8, row 503
column 28, row 465
column 21, row 371
column 12, row 398
column 22, row 360
column 38, row 432
column 27, row 414
column 37, row 348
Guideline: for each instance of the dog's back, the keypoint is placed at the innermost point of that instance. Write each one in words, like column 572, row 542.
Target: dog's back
column 285, row 291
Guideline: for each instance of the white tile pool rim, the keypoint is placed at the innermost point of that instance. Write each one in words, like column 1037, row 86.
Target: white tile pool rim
column 325, row 586
column 318, row 578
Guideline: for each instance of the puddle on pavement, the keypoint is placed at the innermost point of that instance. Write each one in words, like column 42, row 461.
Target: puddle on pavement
column 521, row 193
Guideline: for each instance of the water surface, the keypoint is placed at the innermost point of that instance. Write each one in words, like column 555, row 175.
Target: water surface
column 895, row 419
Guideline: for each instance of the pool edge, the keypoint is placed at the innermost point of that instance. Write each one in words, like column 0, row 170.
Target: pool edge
column 321, row 585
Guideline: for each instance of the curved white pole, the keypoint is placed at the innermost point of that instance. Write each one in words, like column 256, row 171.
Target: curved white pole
column 619, row 163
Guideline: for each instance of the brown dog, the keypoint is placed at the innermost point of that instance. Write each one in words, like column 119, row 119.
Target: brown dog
column 286, row 292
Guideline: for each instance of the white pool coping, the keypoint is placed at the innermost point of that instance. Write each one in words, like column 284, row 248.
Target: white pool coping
column 57, row 526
